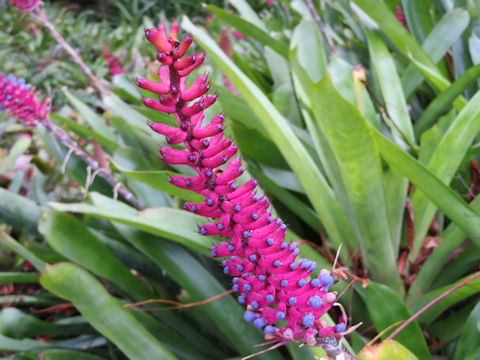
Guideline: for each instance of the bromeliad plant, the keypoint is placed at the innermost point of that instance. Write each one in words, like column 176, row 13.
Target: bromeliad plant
column 271, row 281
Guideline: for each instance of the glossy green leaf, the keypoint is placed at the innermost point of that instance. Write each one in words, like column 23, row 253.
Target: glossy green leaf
column 280, row 132
column 94, row 120
column 119, row 108
column 386, row 350
column 306, row 38
column 386, row 308
column 444, row 163
column 19, row 211
column 359, row 179
column 440, row 194
column 471, row 288
column 470, row 337
column 173, row 224
column 249, row 29
column 395, row 185
column 72, row 239
column 392, row 91
column 438, row 42
column 103, row 312
column 17, row 324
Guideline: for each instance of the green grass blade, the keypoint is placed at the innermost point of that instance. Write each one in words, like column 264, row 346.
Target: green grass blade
column 444, row 163
column 249, row 29
column 278, row 128
column 441, row 195
column 18, row 277
column 359, row 184
column 385, row 308
column 57, row 354
column 104, row 312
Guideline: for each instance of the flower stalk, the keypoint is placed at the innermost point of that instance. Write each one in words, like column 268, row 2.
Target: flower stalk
column 281, row 296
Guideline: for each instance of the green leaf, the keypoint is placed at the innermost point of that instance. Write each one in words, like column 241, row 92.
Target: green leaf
column 444, row 100
column 10, row 243
column 18, row 277
column 441, row 195
column 402, row 39
column 392, row 91
column 359, row 179
column 470, row 337
column 281, row 133
column 119, row 108
column 249, row 29
column 19, row 211
column 386, row 308
column 438, row 42
column 386, row 350
column 418, row 14
column 173, row 224
column 79, row 129
column 95, row 121
column 72, row 239
column 58, row 354
column 104, row 313
column 160, row 180
column 306, row 38
column 17, row 324
column 444, row 163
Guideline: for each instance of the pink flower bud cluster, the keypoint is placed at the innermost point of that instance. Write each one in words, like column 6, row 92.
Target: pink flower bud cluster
column 112, row 63
column 20, row 101
column 25, row 5
column 281, row 296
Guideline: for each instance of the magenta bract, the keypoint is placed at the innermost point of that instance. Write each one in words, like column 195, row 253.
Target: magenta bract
column 277, row 287
column 25, row 5
column 20, row 101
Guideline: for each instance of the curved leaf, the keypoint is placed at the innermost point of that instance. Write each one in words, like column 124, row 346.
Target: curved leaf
column 104, row 313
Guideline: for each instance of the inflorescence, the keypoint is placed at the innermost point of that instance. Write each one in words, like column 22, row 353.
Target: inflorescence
column 25, row 5
column 20, row 101
column 268, row 276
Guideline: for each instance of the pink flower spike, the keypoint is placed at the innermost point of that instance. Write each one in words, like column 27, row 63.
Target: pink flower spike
column 20, row 101
column 270, row 279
